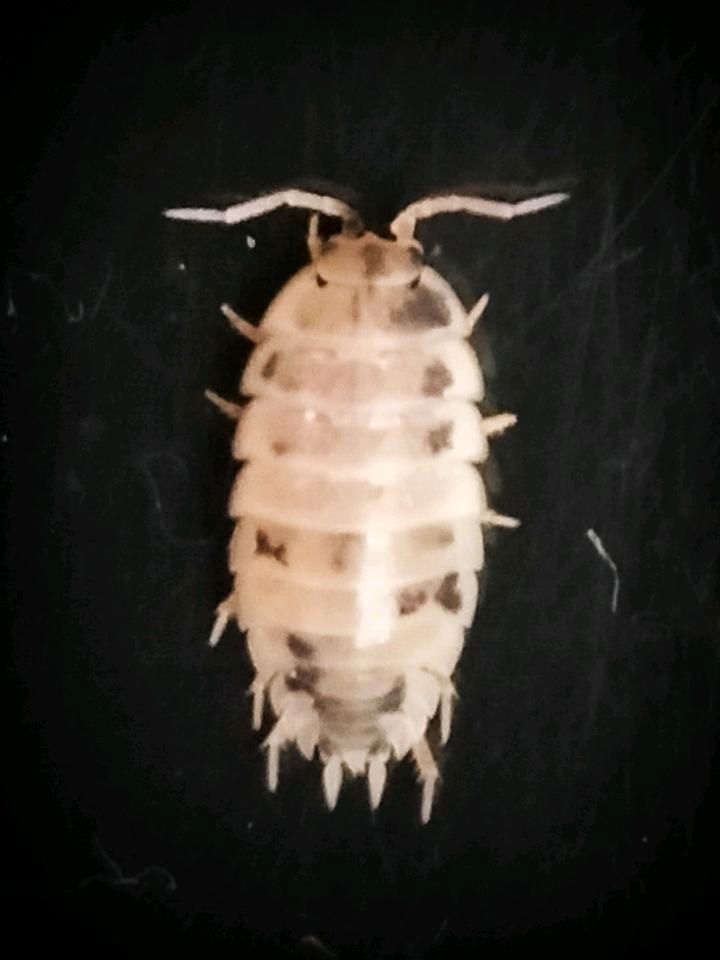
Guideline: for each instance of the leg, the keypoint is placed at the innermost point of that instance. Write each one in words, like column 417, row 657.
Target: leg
column 403, row 226
column 257, row 691
column 332, row 780
column 422, row 695
column 492, row 426
column 492, row 519
column 280, row 733
column 376, row 775
column 447, row 698
column 244, row 328
column 428, row 774
column 273, row 744
column 476, row 312
column 308, row 735
column 400, row 732
column 295, row 710
column 222, row 616
column 230, row 409
column 258, row 207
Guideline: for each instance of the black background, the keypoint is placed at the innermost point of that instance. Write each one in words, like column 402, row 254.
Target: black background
column 578, row 806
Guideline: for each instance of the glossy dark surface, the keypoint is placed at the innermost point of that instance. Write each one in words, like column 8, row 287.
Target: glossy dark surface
column 578, row 806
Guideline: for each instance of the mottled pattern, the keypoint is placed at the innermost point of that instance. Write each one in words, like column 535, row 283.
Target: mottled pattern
column 269, row 367
column 373, row 260
column 341, row 551
column 393, row 698
column 298, row 647
column 337, row 546
column 410, row 599
column 436, row 379
column 448, row 595
column 264, row 548
column 422, row 309
column 445, row 536
column 355, row 623
column 356, row 721
column 440, row 437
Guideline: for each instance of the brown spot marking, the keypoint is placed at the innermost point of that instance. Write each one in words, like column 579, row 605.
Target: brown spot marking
column 439, row 438
column 448, row 595
column 288, row 380
column 410, row 599
column 270, row 366
column 304, row 678
column 437, row 535
column 264, row 548
column 339, row 558
column 393, row 699
column 279, row 447
column 436, row 379
column 374, row 260
column 421, row 310
column 444, row 536
column 355, row 308
column 298, row 647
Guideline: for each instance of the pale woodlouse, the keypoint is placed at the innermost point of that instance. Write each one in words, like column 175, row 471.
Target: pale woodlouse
column 359, row 510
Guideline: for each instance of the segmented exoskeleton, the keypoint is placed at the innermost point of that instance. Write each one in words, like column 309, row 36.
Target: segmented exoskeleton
column 359, row 510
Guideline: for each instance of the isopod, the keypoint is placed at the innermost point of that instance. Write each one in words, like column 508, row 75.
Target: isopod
column 359, row 508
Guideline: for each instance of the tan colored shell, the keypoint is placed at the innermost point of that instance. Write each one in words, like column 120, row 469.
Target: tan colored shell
column 359, row 509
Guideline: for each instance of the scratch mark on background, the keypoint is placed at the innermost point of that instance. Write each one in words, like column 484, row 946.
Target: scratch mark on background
column 598, row 544
column 114, row 876
column 314, row 943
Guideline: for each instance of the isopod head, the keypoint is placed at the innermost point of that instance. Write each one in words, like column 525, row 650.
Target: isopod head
column 348, row 260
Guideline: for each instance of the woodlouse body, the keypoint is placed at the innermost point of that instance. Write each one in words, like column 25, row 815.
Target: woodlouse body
column 359, row 509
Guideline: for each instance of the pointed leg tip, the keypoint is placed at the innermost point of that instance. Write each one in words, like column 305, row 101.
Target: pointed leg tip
column 376, row 777
column 273, row 767
column 426, row 802
column 498, row 423
column 221, row 622
column 332, row 781
column 429, row 789
column 257, row 692
column 331, row 799
column 306, row 741
column 493, row 519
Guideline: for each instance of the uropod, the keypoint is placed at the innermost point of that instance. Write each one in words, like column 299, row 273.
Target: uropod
column 359, row 508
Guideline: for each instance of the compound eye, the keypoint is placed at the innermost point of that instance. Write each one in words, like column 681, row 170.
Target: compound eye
column 320, row 281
